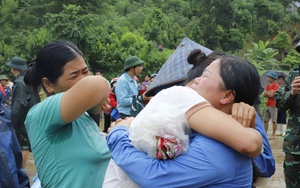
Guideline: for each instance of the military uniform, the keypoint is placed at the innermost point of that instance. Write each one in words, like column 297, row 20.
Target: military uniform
column 291, row 143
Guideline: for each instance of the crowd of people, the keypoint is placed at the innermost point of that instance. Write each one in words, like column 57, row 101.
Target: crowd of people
column 174, row 132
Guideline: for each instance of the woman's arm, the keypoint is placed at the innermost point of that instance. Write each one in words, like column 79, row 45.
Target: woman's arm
column 85, row 94
column 219, row 126
column 198, row 167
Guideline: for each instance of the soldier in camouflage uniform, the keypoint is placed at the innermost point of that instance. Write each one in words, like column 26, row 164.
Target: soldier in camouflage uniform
column 288, row 99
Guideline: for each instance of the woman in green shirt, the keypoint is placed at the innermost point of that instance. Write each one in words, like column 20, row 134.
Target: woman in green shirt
column 67, row 145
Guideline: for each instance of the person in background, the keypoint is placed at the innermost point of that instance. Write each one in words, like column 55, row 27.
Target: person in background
column 98, row 73
column 152, row 77
column 127, row 86
column 288, row 98
column 281, row 115
column 5, row 83
column 6, row 91
column 113, row 101
column 23, row 98
column 271, row 110
column 146, row 83
column 68, row 147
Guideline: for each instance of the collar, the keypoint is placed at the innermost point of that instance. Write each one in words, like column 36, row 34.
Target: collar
column 129, row 77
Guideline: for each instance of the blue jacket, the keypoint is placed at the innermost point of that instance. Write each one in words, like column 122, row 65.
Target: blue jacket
column 11, row 172
column 265, row 162
column 125, row 88
column 206, row 163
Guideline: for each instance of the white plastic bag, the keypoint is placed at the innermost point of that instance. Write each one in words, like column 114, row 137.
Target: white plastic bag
column 164, row 121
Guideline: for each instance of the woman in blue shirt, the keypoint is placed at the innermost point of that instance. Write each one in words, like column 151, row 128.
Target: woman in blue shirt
column 207, row 161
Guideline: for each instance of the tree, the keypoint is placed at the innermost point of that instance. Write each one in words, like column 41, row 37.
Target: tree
column 156, row 27
column 281, row 42
column 232, row 40
column 292, row 60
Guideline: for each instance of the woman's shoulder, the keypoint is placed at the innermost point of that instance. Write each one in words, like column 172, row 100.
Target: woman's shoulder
column 46, row 111
column 181, row 92
column 48, row 104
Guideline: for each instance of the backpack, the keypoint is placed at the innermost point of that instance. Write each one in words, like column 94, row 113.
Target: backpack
column 137, row 105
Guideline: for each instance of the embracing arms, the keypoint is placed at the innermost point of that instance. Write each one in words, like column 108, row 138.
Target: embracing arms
column 220, row 126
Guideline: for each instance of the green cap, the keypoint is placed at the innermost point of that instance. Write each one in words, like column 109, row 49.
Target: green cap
column 3, row 77
column 132, row 61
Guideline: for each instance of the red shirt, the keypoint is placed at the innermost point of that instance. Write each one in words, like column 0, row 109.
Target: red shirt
column 271, row 100
column 113, row 101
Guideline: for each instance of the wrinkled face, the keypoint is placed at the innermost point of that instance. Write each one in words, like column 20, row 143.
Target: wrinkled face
column 210, row 85
column 74, row 71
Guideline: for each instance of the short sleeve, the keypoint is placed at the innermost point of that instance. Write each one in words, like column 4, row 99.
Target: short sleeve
column 46, row 114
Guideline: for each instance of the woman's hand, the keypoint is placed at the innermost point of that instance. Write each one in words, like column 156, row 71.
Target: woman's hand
column 244, row 114
column 126, row 122
column 106, row 107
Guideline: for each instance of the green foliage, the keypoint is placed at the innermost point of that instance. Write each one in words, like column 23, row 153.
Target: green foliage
column 292, row 59
column 282, row 40
column 109, row 31
column 262, row 57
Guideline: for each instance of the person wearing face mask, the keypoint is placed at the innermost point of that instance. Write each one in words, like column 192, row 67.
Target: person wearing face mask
column 207, row 162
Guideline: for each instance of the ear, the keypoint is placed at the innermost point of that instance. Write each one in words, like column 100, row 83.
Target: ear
column 228, row 97
column 47, row 85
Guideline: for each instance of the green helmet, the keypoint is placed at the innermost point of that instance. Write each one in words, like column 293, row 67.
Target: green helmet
column 132, row 61
column 3, row 77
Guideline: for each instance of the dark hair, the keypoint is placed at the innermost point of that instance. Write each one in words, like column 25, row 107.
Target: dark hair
column 241, row 77
column 50, row 62
column 200, row 61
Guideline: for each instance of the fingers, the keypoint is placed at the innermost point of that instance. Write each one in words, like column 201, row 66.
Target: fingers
column 126, row 122
column 237, row 112
column 295, row 86
column 250, row 117
column 244, row 114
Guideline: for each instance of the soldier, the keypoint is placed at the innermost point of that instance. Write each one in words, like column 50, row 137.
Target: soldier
column 288, row 99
